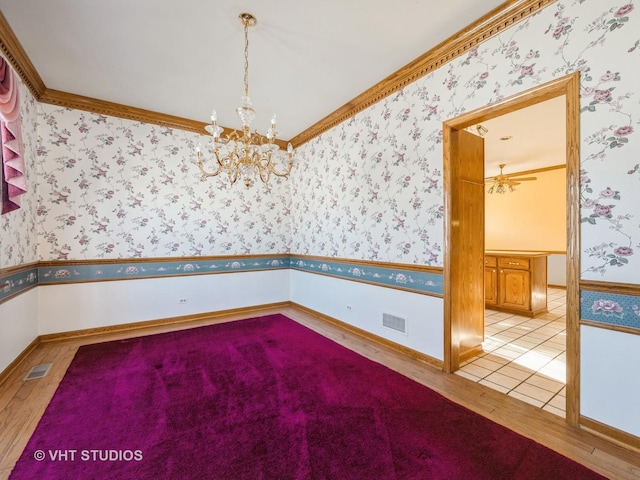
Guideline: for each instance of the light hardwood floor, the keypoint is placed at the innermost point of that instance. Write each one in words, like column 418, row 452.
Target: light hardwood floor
column 23, row 403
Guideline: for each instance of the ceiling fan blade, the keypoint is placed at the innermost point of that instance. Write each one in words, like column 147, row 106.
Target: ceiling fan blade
column 521, row 179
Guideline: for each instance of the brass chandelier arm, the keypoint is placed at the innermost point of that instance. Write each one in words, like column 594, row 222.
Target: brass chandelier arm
column 283, row 174
column 200, row 165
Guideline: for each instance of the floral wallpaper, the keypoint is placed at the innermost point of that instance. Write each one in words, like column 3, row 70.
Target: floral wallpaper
column 114, row 188
column 18, row 234
column 371, row 188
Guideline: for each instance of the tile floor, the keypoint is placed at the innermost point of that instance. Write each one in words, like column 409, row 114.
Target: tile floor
column 525, row 357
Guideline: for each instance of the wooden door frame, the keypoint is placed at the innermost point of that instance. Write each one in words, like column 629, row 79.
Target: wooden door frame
column 569, row 86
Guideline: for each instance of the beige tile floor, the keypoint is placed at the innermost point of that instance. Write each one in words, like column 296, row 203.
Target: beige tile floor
column 525, row 357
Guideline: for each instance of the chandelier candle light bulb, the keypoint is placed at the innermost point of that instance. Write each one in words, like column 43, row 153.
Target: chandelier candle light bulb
column 247, row 155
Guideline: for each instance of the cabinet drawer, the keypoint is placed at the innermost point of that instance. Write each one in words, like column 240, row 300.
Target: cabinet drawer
column 490, row 261
column 513, row 262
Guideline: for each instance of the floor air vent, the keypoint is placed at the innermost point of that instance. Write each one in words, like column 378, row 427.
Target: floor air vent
column 394, row 322
column 38, row 371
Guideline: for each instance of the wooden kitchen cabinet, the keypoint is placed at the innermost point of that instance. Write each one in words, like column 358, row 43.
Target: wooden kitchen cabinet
column 490, row 280
column 516, row 282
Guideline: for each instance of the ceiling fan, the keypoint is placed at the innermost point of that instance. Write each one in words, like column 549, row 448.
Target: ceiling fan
column 502, row 183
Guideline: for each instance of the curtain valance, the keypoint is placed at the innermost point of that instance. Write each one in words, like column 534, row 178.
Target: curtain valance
column 13, row 172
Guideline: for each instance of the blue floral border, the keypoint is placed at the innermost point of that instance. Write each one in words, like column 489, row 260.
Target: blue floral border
column 602, row 307
column 15, row 283
column 121, row 271
column 422, row 282
column 610, row 308
column 411, row 280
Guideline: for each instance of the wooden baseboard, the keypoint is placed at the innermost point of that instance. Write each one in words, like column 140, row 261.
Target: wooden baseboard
column 409, row 352
column 220, row 316
column 125, row 327
column 611, row 434
column 6, row 373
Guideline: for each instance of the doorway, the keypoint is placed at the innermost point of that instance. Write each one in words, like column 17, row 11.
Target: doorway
column 464, row 229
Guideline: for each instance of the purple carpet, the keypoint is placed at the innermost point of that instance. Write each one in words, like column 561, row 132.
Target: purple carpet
column 264, row 398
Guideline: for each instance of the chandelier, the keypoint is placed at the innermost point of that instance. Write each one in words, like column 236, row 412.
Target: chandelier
column 244, row 155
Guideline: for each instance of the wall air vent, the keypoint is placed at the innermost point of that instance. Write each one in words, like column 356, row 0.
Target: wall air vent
column 394, row 322
column 38, row 371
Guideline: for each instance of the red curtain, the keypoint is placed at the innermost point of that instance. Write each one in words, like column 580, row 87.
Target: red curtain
column 13, row 181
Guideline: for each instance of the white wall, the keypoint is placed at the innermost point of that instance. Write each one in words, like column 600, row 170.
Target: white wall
column 18, row 325
column 557, row 270
column 89, row 305
column 333, row 297
column 531, row 218
column 609, row 386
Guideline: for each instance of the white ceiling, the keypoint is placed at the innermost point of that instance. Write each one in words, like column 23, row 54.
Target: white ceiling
column 537, row 138
column 306, row 59
column 183, row 58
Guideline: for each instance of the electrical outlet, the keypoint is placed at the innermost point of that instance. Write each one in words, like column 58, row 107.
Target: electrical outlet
column 182, row 300
column 348, row 307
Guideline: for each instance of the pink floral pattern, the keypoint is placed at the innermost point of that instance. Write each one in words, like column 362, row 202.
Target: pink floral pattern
column 607, row 308
column 113, row 188
column 371, row 188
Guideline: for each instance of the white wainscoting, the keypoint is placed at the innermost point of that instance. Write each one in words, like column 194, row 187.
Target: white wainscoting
column 88, row 305
column 18, row 325
column 609, row 380
column 362, row 306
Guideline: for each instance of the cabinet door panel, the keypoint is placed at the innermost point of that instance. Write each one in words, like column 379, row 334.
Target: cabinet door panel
column 490, row 286
column 515, row 287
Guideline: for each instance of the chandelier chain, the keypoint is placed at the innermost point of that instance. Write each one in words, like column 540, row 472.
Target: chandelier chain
column 246, row 58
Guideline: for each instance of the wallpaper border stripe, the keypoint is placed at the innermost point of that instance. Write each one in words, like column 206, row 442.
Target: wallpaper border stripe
column 17, row 280
column 392, row 276
column 611, row 305
column 126, row 270
column 412, row 278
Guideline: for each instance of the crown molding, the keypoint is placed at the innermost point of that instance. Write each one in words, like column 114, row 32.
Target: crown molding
column 487, row 26
column 533, row 171
column 79, row 102
column 13, row 52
